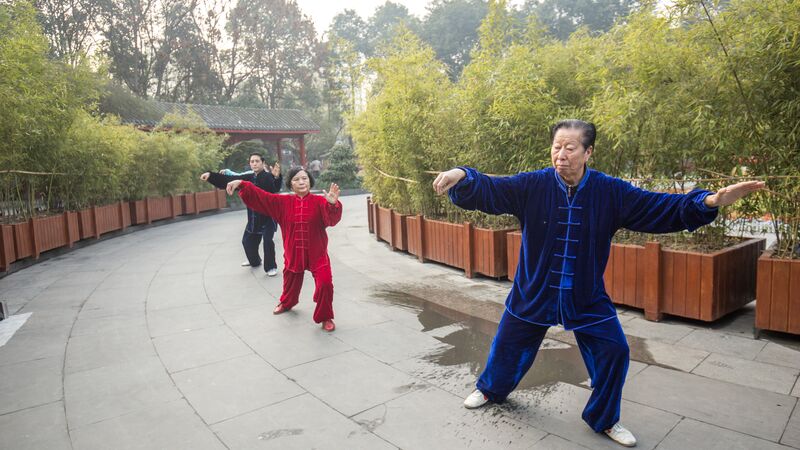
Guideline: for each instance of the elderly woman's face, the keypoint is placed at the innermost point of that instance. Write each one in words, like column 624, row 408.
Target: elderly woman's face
column 300, row 183
column 568, row 154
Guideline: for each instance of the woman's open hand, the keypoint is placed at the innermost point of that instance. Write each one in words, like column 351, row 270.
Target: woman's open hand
column 730, row 194
column 332, row 194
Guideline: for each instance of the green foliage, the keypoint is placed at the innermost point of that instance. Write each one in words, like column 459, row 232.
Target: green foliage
column 343, row 169
column 678, row 104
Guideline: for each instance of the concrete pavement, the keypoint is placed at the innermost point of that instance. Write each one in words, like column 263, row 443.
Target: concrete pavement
column 159, row 339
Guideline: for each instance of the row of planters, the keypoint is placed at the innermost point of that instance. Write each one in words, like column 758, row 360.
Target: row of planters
column 694, row 285
column 35, row 236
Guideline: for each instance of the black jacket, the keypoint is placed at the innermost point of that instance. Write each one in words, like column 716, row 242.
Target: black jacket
column 264, row 180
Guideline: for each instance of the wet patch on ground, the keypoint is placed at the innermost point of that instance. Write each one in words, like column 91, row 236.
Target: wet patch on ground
column 468, row 343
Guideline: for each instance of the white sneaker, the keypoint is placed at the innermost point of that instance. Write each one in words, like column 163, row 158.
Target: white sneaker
column 246, row 264
column 475, row 400
column 621, row 435
column 272, row 272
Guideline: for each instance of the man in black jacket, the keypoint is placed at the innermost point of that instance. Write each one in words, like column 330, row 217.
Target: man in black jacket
column 258, row 226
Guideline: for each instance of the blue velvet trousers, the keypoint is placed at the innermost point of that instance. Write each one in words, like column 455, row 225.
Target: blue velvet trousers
column 603, row 347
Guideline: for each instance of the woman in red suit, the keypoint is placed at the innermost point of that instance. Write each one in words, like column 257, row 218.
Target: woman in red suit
column 303, row 218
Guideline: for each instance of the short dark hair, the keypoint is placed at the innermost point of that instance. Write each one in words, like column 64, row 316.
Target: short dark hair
column 294, row 172
column 260, row 156
column 587, row 129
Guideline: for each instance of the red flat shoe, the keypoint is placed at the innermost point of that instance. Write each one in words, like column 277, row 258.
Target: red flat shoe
column 328, row 325
column 280, row 309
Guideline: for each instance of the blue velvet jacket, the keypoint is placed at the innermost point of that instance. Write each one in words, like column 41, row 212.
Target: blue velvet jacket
column 566, row 239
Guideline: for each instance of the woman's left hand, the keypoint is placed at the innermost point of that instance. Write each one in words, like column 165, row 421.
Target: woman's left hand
column 232, row 186
column 332, row 194
column 730, row 194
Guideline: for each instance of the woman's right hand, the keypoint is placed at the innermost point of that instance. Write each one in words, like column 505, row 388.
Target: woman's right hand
column 445, row 180
column 232, row 186
column 204, row 176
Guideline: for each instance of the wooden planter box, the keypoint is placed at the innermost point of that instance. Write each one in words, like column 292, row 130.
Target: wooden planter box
column 391, row 227
column 476, row 250
column 139, row 214
column 778, row 294
column 701, row 286
column 8, row 254
column 206, row 201
column 40, row 234
column 160, row 208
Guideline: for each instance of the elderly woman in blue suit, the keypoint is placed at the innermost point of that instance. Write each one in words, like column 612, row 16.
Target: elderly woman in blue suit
column 569, row 213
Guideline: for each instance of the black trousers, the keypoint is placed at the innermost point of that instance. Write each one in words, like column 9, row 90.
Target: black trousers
column 250, row 243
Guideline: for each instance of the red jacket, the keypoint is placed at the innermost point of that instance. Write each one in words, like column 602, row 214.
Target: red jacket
column 303, row 221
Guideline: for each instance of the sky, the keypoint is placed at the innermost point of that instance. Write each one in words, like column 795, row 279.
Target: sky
column 322, row 11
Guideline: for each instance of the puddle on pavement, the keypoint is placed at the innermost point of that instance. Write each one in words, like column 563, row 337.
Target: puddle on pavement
column 468, row 345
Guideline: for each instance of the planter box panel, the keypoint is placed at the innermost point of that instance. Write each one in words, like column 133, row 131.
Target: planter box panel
column 779, row 312
column 399, row 231
column 370, row 218
column 8, row 253
column 74, row 227
column 513, row 248
column 189, row 206
column 23, row 241
column 160, row 208
column 51, row 232
column 206, row 201
column 138, row 212
column 794, row 299
column 384, row 218
column 446, row 243
column 86, row 223
column 489, row 252
column 108, row 218
column 412, row 235
column 692, row 301
column 222, row 199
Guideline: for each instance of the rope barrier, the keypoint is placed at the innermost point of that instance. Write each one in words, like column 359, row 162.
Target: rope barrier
column 25, row 172
column 633, row 180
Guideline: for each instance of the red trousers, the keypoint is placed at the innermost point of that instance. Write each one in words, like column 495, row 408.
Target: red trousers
column 323, row 292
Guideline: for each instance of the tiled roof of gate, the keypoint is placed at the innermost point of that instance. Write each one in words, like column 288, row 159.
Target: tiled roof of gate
column 227, row 117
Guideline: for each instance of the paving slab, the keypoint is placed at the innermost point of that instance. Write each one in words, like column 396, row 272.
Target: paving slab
column 30, row 383
column 670, row 334
column 289, row 425
column 440, row 421
column 181, row 351
column 229, row 388
column 553, row 442
column 112, row 391
column 389, row 342
column 723, row 343
column 47, row 319
column 108, row 324
column 748, row 373
column 779, row 355
column 556, row 408
column 751, row 411
column 352, row 382
column 171, row 425
column 92, row 351
column 796, row 390
column 693, row 434
column 651, row 351
column 181, row 319
column 791, row 435
column 42, row 427
column 304, row 344
column 34, row 344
